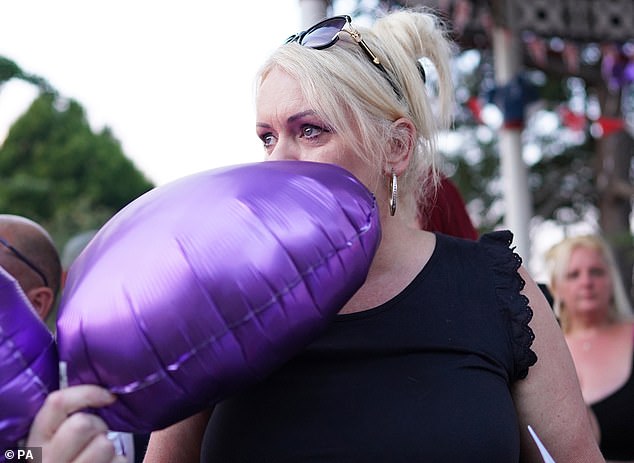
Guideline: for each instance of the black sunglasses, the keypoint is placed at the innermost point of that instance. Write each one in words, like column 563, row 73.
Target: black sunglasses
column 325, row 34
column 24, row 259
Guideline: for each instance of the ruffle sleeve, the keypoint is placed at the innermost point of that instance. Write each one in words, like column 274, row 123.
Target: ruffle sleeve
column 508, row 285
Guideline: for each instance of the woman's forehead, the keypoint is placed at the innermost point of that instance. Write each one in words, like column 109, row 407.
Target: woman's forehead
column 280, row 92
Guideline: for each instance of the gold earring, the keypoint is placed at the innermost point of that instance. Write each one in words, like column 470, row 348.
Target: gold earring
column 393, row 193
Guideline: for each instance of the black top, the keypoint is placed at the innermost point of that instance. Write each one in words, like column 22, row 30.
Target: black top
column 615, row 415
column 425, row 377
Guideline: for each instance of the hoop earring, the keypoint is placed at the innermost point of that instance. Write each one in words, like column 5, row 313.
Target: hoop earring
column 393, row 193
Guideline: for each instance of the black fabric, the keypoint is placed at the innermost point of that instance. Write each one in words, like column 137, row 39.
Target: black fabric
column 615, row 415
column 424, row 377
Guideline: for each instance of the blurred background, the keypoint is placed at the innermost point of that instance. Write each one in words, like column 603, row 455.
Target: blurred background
column 102, row 101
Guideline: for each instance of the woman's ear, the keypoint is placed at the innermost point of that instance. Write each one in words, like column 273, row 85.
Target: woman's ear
column 402, row 144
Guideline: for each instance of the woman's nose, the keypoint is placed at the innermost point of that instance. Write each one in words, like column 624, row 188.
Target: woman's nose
column 586, row 279
column 284, row 150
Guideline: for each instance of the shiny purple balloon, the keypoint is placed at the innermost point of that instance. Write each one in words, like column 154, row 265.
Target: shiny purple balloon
column 205, row 285
column 28, row 362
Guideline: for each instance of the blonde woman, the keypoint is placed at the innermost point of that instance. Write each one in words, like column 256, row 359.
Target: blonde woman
column 449, row 351
column 596, row 317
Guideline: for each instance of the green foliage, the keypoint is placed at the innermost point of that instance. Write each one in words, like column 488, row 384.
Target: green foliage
column 474, row 169
column 563, row 186
column 55, row 170
column 10, row 70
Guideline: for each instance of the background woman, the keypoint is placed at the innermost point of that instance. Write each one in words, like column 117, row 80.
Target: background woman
column 596, row 318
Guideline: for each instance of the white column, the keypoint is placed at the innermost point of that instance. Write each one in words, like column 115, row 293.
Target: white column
column 517, row 198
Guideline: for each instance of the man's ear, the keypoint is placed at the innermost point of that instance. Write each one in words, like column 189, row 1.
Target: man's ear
column 42, row 299
column 402, row 145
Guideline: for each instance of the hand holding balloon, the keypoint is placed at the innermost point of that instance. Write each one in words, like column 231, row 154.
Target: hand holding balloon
column 66, row 434
column 207, row 284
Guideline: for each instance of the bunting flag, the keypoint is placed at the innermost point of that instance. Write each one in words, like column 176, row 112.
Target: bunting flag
column 605, row 126
column 571, row 58
column 617, row 66
column 553, row 29
column 475, row 106
column 512, row 99
column 577, row 122
column 512, row 106
column 537, row 49
column 576, row 34
column 599, row 128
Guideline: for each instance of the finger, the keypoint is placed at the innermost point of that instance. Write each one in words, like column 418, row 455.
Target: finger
column 59, row 404
column 78, row 433
column 99, row 450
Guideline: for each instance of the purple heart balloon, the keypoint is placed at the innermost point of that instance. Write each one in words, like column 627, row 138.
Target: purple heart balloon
column 28, row 362
column 205, row 285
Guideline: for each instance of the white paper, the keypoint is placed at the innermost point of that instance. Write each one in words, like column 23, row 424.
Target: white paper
column 542, row 449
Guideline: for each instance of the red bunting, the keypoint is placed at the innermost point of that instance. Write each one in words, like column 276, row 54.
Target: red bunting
column 573, row 120
column 475, row 107
column 605, row 126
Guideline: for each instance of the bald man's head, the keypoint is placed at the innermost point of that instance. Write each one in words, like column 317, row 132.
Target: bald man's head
column 28, row 252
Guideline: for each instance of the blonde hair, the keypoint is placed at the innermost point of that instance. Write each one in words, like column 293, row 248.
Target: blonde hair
column 557, row 259
column 355, row 97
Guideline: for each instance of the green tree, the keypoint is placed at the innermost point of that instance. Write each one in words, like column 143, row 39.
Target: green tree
column 56, row 170
column 10, row 70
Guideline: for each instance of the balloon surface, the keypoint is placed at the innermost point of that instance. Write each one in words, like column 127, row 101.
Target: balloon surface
column 205, row 285
column 28, row 362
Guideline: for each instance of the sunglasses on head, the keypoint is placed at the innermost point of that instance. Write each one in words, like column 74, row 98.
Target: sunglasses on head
column 325, row 34
column 25, row 260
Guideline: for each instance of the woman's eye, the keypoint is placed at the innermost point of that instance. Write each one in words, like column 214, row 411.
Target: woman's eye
column 597, row 272
column 312, row 131
column 267, row 139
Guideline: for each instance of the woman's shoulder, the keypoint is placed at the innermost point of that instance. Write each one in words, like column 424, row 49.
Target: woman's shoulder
column 494, row 247
column 496, row 239
column 489, row 270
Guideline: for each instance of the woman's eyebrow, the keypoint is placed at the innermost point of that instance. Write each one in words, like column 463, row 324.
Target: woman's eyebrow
column 290, row 120
column 294, row 117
